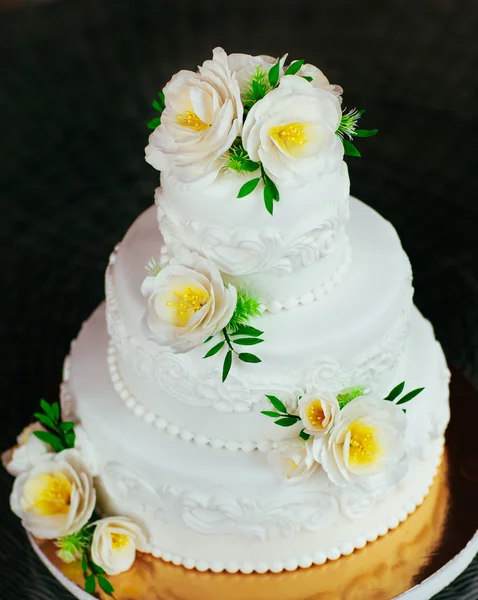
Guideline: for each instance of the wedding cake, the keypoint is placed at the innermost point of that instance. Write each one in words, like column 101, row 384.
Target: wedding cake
column 258, row 392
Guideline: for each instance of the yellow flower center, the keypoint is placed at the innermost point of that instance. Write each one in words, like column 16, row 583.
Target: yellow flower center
column 289, row 466
column 290, row 137
column 192, row 121
column 365, row 449
column 315, row 414
column 48, row 494
column 187, row 302
column 119, row 540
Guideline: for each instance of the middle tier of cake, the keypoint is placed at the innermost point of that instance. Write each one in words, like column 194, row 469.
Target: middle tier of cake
column 354, row 335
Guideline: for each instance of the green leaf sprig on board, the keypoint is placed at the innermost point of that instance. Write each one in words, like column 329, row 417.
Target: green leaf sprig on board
column 59, row 435
column 158, row 105
column 94, row 575
column 239, row 333
column 348, row 129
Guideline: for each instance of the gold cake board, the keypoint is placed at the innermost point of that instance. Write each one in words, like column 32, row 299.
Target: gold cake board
column 415, row 561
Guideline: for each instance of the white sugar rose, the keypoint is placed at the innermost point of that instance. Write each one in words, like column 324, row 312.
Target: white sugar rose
column 85, row 447
column 201, row 120
column 55, row 497
column 293, row 459
column 28, row 451
column 320, row 80
column 366, row 448
column 246, row 67
column 319, row 412
column 187, row 303
column 291, row 131
column 115, row 542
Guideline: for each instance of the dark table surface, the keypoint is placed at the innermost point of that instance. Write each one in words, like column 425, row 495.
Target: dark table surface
column 76, row 82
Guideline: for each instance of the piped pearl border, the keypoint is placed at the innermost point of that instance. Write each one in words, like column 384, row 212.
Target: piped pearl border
column 319, row 292
column 291, row 564
column 140, row 410
column 275, row 306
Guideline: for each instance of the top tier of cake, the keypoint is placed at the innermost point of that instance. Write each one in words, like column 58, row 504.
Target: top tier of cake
column 285, row 259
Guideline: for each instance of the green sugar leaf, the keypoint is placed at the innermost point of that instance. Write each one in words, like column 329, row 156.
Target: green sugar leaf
column 90, row 584
column 305, row 436
column 277, row 404
column 294, row 67
column 307, row 78
column 214, row 350
column 248, row 341
column 157, row 106
column 208, row 339
column 410, row 395
column 249, row 165
column 105, row 585
column 84, row 564
column 51, row 439
column 44, row 420
column 55, row 409
column 274, row 74
column 227, row 365
column 350, row 149
column 272, row 185
column 247, row 330
column 161, row 99
column 248, row 358
column 47, row 409
column 70, row 438
column 269, row 199
column 287, row 421
column 364, row 133
column 67, row 425
column 271, row 413
column 248, row 187
column 96, row 568
column 397, row 390
column 156, row 122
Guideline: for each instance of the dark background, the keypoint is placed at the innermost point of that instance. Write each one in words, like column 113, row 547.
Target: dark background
column 76, row 83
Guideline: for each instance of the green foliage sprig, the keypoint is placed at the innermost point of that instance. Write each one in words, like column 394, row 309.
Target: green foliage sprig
column 238, row 160
column 348, row 129
column 59, row 435
column 72, row 547
column 247, row 307
column 94, row 575
column 238, row 333
column 257, row 88
column 153, row 267
column 398, row 389
column 283, row 417
column 348, row 395
column 158, row 105
column 271, row 193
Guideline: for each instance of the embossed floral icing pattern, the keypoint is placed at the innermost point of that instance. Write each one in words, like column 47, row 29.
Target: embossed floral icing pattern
column 177, row 374
column 241, row 251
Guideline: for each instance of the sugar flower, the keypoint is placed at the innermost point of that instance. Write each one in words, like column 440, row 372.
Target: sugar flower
column 115, row 542
column 291, row 131
column 56, row 497
column 187, row 303
column 366, row 448
column 201, row 120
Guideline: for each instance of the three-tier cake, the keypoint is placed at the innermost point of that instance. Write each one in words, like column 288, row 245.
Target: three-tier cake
column 265, row 395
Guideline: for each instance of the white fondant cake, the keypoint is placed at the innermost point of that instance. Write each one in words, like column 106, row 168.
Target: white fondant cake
column 329, row 435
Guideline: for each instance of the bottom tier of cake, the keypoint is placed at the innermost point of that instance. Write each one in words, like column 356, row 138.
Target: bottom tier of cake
column 219, row 509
